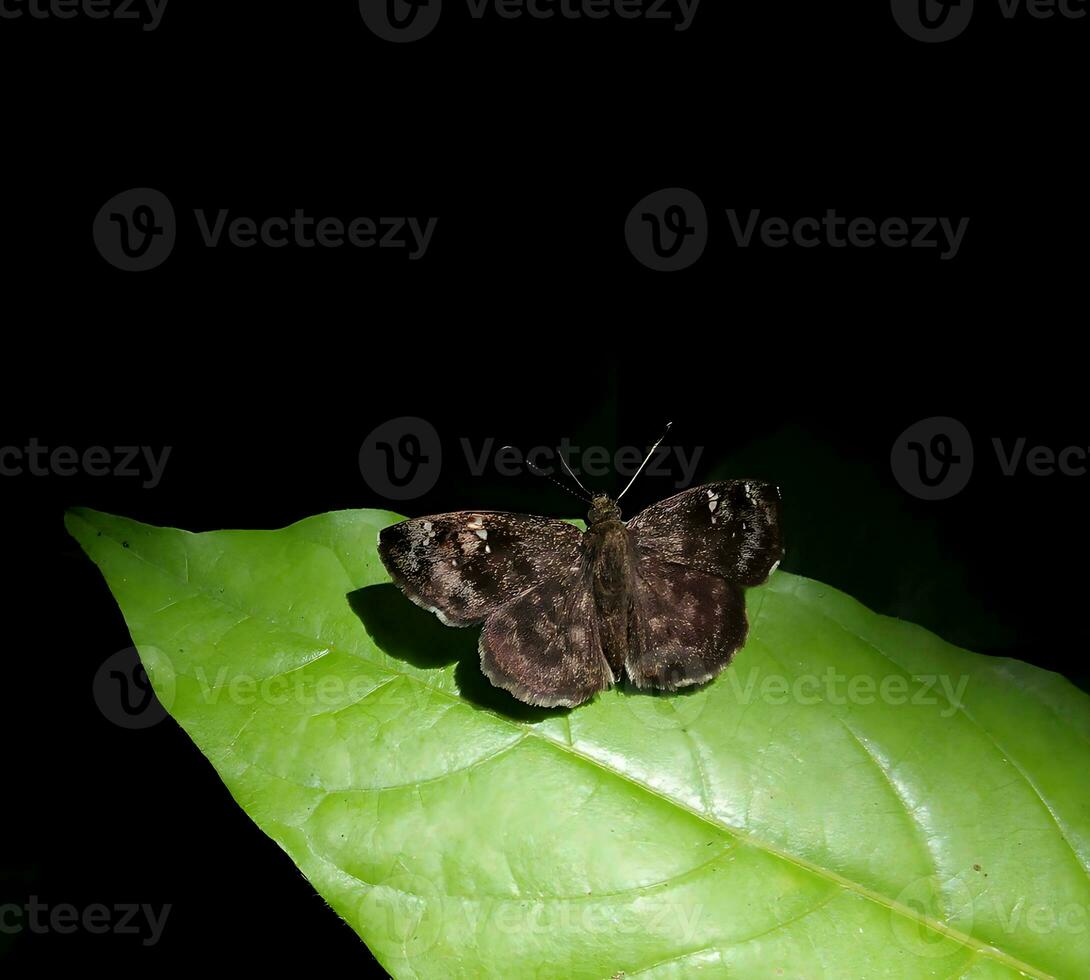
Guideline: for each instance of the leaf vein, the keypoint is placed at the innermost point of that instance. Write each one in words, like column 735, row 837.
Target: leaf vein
column 958, row 707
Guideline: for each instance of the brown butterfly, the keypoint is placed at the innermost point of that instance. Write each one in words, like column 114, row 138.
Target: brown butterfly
column 567, row 613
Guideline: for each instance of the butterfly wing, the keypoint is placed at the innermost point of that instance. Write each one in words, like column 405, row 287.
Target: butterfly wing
column 730, row 529
column 544, row 647
column 524, row 577
column 686, row 625
column 694, row 552
column 466, row 565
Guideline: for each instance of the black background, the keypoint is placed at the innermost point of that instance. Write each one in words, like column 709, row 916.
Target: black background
column 527, row 321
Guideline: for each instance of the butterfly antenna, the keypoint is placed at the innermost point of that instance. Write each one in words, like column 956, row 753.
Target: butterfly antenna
column 564, row 463
column 646, row 460
column 563, row 486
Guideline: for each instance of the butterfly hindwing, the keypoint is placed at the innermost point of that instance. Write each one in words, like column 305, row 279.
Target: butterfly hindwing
column 729, row 529
column 687, row 625
column 466, row 565
column 544, row 646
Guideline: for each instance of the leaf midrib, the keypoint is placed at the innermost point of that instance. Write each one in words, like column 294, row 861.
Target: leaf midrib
column 965, row 939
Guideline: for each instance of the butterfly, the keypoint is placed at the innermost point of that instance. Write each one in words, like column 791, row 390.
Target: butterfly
column 568, row 613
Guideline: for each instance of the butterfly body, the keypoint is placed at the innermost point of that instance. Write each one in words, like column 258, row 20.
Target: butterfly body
column 611, row 560
column 566, row 613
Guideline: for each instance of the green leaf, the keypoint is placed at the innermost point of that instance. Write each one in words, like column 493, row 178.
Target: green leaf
column 853, row 797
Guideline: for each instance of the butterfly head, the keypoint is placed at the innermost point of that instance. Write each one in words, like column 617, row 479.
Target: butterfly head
column 602, row 510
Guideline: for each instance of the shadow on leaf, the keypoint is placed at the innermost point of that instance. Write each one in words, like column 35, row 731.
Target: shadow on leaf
column 627, row 689
column 406, row 632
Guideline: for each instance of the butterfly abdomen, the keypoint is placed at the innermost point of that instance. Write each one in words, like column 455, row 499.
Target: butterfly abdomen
column 612, row 558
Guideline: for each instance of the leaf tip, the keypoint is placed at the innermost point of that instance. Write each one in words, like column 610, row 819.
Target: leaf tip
column 72, row 515
column 79, row 520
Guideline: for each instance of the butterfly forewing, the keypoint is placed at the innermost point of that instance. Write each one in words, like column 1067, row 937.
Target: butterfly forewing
column 693, row 553
column 466, row 565
column 729, row 529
